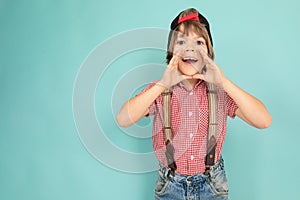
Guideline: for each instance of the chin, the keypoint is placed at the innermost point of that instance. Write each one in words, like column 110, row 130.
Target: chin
column 189, row 73
column 188, row 70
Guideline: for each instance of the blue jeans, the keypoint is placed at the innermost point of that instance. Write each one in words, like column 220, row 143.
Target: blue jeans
column 200, row 186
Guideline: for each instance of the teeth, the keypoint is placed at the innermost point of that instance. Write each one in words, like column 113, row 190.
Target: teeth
column 189, row 60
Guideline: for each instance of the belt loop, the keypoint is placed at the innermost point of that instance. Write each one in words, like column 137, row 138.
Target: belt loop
column 207, row 171
column 166, row 172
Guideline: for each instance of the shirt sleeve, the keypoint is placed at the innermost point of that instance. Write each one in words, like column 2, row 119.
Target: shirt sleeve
column 231, row 106
column 152, row 107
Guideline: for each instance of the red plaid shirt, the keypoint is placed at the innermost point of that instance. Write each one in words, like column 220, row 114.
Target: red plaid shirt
column 189, row 117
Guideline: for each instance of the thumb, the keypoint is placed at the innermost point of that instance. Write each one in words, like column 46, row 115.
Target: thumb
column 186, row 77
column 199, row 76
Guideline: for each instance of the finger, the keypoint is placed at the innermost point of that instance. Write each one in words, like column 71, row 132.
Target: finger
column 210, row 67
column 204, row 55
column 174, row 65
column 202, row 51
column 197, row 66
column 176, row 62
column 171, row 62
column 186, row 77
column 176, row 58
column 199, row 76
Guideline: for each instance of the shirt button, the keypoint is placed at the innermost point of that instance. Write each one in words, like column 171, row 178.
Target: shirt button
column 190, row 113
column 192, row 157
column 191, row 93
column 191, row 135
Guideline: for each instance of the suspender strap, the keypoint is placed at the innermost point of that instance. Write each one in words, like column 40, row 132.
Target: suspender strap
column 168, row 130
column 212, row 128
column 213, row 125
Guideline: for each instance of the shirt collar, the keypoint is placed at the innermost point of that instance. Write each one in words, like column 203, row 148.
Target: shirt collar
column 180, row 84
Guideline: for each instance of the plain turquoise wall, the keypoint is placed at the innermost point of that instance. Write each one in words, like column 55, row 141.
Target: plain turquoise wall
column 42, row 46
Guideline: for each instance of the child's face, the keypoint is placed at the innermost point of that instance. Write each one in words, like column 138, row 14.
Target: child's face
column 188, row 47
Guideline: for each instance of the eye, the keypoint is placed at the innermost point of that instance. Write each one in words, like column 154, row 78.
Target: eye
column 180, row 42
column 199, row 42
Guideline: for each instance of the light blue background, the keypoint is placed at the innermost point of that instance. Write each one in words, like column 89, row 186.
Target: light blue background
column 43, row 44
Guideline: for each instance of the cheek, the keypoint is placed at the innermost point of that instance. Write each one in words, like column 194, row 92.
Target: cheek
column 205, row 48
column 178, row 49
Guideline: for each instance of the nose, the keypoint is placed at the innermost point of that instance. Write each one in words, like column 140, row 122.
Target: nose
column 190, row 47
column 189, row 50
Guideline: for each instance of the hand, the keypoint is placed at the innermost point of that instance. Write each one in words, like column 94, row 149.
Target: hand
column 172, row 75
column 209, row 71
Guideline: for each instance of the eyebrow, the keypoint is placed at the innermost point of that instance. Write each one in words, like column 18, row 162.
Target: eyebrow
column 199, row 38
column 181, row 35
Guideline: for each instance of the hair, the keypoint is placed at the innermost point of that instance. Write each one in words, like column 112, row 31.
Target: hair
column 186, row 27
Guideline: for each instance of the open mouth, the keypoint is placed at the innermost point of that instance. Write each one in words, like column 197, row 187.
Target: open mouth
column 189, row 60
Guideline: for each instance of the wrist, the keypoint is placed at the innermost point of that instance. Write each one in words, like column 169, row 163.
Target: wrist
column 162, row 85
column 225, row 83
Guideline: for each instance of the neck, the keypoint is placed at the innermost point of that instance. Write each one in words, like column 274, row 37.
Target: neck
column 190, row 83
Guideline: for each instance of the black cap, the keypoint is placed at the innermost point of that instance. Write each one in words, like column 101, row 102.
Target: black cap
column 202, row 20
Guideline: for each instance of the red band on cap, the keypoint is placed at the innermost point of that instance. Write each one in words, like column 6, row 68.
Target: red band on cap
column 193, row 16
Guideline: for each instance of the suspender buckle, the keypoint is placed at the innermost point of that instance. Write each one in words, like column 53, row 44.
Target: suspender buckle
column 170, row 157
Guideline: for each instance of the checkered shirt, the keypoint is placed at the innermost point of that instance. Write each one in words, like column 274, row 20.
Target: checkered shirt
column 189, row 118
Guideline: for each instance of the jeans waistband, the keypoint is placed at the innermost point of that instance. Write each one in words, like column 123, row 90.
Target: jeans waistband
column 166, row 173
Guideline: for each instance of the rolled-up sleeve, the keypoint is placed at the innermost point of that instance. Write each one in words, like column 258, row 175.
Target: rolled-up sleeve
column 231, row 106
column 152, row 107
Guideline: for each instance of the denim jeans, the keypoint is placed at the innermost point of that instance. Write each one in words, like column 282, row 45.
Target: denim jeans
column 200, row 186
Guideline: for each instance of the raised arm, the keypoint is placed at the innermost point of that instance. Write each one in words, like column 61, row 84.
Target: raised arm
column 251, row 110
column 137, row 107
